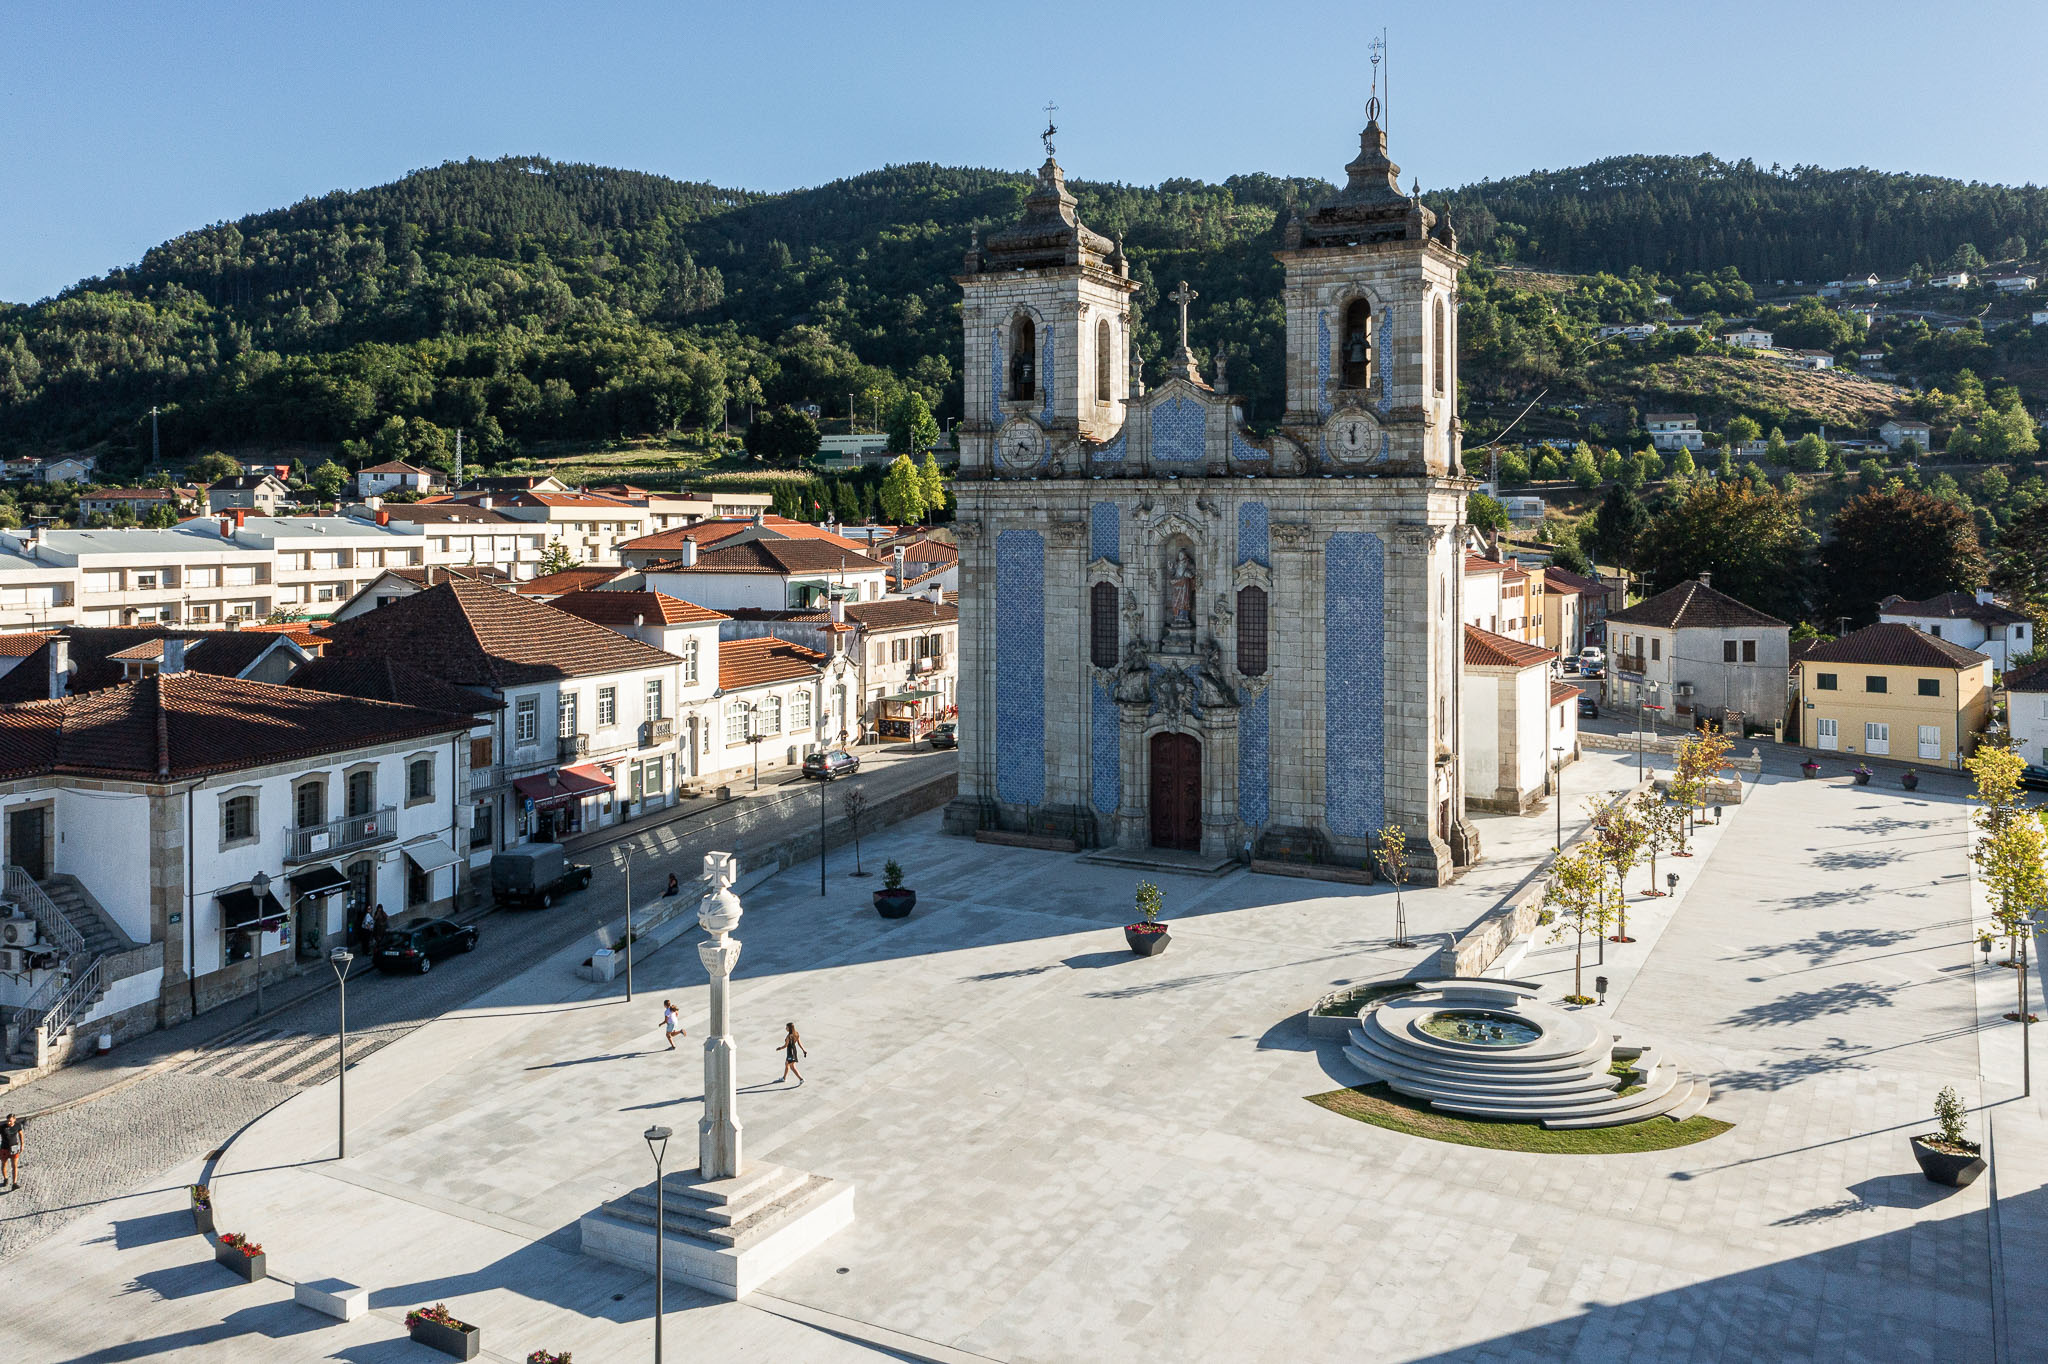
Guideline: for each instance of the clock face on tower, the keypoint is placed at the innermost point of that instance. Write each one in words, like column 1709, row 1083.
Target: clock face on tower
column 1019, row 445
column 1353, row 437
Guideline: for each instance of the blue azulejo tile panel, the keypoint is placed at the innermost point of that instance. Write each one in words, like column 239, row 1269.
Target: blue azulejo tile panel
column 1113, row 452
column 1177, row 431
column 995, row 376
column 1020, row 667
column 1252, row 534
column 1048, row 376
column 1105, row 531
column 1253, row 762
column 1354, row 685
column 1105, row 765
column 1386, row 351
column 1243, row 450
column 1323, row 362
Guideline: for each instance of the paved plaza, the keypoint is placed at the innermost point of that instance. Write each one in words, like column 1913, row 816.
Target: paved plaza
column 1063, row 1152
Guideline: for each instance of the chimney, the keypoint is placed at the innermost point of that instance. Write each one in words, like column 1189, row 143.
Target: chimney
column 839, row 610
column 1983, row 596
column 1706, row 577
column 373, row 503
column 383, row 517
column 227, row 528
column 937, row 594
column 174, row 656
column 687, row 556
column 232, row 624
column 60, row 667
column 897, row 556
column 483, row 504
column 241, row 513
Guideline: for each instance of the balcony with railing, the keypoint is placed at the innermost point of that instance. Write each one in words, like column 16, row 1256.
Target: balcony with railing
column 572, row 746
column 342, row 835
column 657, row 731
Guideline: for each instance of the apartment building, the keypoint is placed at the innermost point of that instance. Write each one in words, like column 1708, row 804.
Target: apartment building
column 591, row 526
column 770, row 574
column 461, row 533
column 1888, row 690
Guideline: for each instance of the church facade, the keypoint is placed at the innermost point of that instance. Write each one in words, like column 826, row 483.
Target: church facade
column 1174, row 634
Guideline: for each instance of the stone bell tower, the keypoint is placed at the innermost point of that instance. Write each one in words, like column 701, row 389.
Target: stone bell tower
column 1046, row 310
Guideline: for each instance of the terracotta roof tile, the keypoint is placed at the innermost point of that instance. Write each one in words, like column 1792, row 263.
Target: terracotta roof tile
column 568, row 580
column 1895, row 645
column 22, row 644
column 1694, row 606
column 471, row 634
column 777, row 556
column 381, row 679
column 615, row 608
column 1484, row 649
column 1564, row 691
column 1475, row 563
column 897, row 613
column 1953, row 606
column 753, row 662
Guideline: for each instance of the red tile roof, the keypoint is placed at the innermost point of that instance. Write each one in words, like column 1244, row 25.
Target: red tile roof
column 568, row 580
column 1694, row 606
column 382, row 679
column 753, row 662
column 1953, row 606
column 776, row 556
column 1897, row 646
column 1561, row 692
column 1478, row 564
column 616, row 609
column 708, row 533
column 194, row 724
column 471, row 634
column 1484, row 649
column 22, row 644
column 898, row 613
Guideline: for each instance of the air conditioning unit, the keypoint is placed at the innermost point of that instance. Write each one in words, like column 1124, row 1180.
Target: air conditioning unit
column 13, row 961
column 17, row 932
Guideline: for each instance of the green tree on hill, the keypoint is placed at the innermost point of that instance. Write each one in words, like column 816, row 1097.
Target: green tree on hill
column 1484, row 513
column 933, row 480
column 911, row 427
column 1682, row 465
column 1752, row 540
column 1775, row 449
column 1618, row 525
column 784, row 436
column 1809, row 454
column 902, row 496
column 1742, row 429
column 1583, row 471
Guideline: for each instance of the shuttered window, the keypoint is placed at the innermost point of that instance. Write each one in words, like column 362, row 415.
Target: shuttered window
column 1251, row 631
column 1102, row 641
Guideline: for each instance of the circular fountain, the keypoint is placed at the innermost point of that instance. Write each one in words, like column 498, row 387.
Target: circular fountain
column 1490, row 1049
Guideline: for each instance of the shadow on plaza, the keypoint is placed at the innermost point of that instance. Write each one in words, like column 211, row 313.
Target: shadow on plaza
column 1921, row 1291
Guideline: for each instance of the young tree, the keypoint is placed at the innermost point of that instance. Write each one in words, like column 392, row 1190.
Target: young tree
column 2001, row 805
column 903, row 493
column 855, row 806
column 934, row 482
column 327, row 480
column 1660, row 819
column 911, row 427
column 1809, row 454
column 1583, row 470
column 1620, row 835
column 1741, row 429
column 1577, row 898
column 1393, row 857
column 1682, row 465
column 1483, row 513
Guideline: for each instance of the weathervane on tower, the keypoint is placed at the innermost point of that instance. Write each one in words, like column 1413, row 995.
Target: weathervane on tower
column 1378, row 48
column 1050, row 128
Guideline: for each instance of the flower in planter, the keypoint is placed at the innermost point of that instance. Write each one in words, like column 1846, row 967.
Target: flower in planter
column 241, row 1242
column 1954, row 1122
column 438, row 1314
column 1149, row 902
column 548, row 1357
column 202, row 1196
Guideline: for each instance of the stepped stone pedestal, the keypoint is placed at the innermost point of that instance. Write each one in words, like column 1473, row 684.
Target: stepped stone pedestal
column 727, row 1226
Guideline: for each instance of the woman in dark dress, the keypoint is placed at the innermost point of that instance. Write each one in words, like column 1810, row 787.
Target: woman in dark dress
column 791, row 1046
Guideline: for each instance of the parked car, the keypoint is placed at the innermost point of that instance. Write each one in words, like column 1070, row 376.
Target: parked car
column 1571, row 664
column 2034, row 777
column 1591, row 657
column 828, row 764
column 532, row 875
column 945, row 735
column 416, row 948
column 1589, row 709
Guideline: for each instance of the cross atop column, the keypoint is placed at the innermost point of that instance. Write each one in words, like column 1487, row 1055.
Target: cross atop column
column 1183, row 296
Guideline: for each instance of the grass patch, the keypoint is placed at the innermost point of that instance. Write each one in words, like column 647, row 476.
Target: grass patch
column 1382, row 1107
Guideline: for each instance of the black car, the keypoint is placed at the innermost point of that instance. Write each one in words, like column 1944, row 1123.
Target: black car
column 824, row 766
column 1589, row 709
column 945, row 736
column 2034, row 777
column 417, row 947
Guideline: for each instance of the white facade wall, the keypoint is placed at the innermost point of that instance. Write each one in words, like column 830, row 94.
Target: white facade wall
column 2001, row 642
column 763, row 591
column 785, row 740
column 2027, row 713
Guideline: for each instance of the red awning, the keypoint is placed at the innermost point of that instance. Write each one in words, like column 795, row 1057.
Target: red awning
column 564, row 786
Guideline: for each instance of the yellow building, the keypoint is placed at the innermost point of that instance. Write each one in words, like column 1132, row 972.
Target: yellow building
column 1891, row 691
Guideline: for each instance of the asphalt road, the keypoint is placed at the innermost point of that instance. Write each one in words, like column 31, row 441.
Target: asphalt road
column 182, row 1092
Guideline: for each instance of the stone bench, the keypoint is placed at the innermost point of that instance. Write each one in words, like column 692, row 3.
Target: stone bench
column 333, row 1297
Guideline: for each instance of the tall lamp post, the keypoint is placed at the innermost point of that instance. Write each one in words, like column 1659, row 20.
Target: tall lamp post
column 822, row 784
column 260, row 885
column 629, row 924
column 657, row 1142
column 339, row 959
column 1557, row 766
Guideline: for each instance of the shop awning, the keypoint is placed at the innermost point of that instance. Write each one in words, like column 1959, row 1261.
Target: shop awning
column 551, row 790
column 430, row 854
column 319, row 881
column 239, row 910
column 911, row 696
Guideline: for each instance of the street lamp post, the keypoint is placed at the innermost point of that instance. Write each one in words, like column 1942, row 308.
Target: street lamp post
column 339, row 959
column 822, row 784
column 260, row 884
column 1557, row 799
column 657, row 1142
column 629, row 924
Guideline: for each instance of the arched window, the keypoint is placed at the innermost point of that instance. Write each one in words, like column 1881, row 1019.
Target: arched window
column 770, row 715
column 1102, row 640
column 690, row 664
column 1023, row 374
column 1103, row 360
column 1251, row 631
column 1438, row 369
column 1356, row 346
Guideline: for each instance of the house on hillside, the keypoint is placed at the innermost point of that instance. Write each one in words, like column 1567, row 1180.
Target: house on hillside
column 1890, row 691
column 68, row 469
column 1976, row 620
column 396, row 476
column 1699, row 653
column 1748, row 338
column 2012, row 283
column 1671, row 431
column 1954, row 279
column 262, row 493
column 1808, row 359
column 1896, row 432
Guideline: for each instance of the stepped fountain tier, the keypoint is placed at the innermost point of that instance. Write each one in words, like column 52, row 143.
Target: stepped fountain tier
column 1489, row 1049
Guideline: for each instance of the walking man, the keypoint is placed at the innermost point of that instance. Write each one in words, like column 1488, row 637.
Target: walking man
column 672, row 1023
column 791, row 1045
column 10, row 1151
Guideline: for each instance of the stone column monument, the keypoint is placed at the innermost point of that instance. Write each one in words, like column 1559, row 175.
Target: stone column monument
column 718, row 1131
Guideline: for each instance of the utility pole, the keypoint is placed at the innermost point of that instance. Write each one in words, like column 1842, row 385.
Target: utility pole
column 851, row 429
column 458, row 456
column 155, row 450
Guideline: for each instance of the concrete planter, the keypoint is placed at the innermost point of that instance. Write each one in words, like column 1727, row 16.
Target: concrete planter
column 1862, row 778
column 895, row 904
column 461, row 1342
column 250, row 1267
column 1809, row 769
column 1946, row 1167
column 1911, row 780
column 202, row 1217
column 1146, row 944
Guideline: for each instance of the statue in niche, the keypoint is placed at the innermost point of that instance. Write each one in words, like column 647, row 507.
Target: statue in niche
column 1180, row 590
column 1134, row 618
column 1221, row 618
column 1134, row 678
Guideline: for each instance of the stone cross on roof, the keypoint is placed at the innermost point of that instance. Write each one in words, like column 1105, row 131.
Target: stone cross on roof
column 1183, row 296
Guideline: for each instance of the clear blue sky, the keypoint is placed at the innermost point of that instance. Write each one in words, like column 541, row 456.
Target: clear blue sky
column 124, row 124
